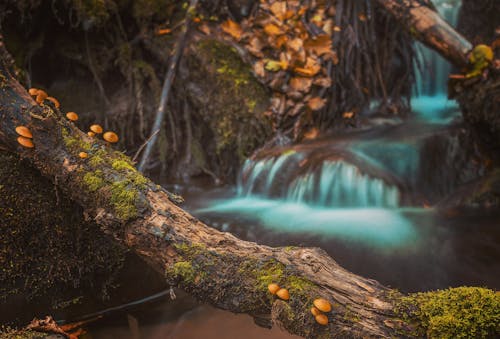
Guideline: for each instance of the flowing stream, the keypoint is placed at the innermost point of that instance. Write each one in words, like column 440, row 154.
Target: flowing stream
column 365, row 197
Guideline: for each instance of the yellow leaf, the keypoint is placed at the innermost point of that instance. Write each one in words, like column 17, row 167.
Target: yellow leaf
column 273, row 65
column 232, row 28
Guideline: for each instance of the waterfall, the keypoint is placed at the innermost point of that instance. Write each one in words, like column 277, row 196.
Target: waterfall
column 329, row 183
column 432, row 77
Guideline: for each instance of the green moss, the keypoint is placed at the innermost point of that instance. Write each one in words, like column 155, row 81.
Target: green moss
column 95, row 160
column 74, row 144
column 123, row 198
column 185, row 270
column 121, row 165
column 10, row 333
column 464, row 312
column 298, row 284
column 93, row 181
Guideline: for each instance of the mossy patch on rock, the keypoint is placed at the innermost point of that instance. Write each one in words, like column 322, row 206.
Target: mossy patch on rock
column 463, row 312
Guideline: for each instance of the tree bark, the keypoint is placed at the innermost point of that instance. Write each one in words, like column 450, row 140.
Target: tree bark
column 213, row 266
column 427, row 26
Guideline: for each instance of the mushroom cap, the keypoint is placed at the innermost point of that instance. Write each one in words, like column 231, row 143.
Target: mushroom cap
column 24, row 131
column 315, row 311
column 481, row 52
column 273, row 288
column 91, row 134
column 54, row 101
column 33, row 91
column 72, row 116
column 282, row 293
column 96, row 129
column 321, row 319
column 110, row 137
column 41, row 96
column 25, row 142
column 83, row 155
column 323, row 305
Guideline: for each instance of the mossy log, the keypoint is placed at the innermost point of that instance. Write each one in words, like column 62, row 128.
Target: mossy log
column 427, row 26
column 213, row 266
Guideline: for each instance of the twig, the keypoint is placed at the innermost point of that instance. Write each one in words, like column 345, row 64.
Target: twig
column 167, row 84
column 144, row 145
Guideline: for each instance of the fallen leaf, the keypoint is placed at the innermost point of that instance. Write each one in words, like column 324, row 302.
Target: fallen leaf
column 301, row 84
column 295, row 44
column 232, row 28
column 163, row 31
column 323, row 82
column 255, row 46
column 279, row 9
column 204, row 28
column 296, row 109
column 258, row 68
column 272, row 29
column 316, row 103
column 311, row 68
column 319, row 45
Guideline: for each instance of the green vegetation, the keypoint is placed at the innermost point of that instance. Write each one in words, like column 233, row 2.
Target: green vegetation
column 463, row 312
column 123, row 199
column 93, row 181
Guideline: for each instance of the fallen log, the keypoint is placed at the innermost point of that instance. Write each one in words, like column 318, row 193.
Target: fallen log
column 213, row 266
column 427, row 26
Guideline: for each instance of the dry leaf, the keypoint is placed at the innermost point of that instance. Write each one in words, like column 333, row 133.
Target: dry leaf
column 323, row 82
column 311, row 68
column 163, row 31
column 232, row 28
column 272, row 29
column 255, row 46
column 316, row 103
column 301, row 84
column 279, row 9
column 258, row 68
column 347, row 115
column 311, row 134
column 295, row 44
column 296, row 109
column 204, row 28
column 319, row 45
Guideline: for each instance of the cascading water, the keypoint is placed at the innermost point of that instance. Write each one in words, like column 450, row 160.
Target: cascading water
column 431, row 72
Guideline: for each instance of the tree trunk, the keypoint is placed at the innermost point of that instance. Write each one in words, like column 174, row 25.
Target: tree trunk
column 215, row 267
column 427, row 26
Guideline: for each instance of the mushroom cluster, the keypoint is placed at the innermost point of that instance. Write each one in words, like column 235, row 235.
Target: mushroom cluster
column 40, row 95
column 275, row 289
column 25, row 136
column 321, row 305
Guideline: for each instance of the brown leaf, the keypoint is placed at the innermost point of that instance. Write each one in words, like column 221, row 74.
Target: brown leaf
column 316, row 103
column 319, row 45
column 272, row 29
column 204, row 28
column 296, row 109
column 300, row 84
column 255, row 46
column 311, row 68
column 258, row 68
column 295, row 44
column 232, row 28
column 163, row 31
column 323, row 82
column 279, row 9
column 294, row 95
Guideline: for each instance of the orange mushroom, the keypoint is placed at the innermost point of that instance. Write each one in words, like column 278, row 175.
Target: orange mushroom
column 283, row 294
column 25, row 142
column 273, row 288
column 97, row 129
column 54, row 101
column 41, row 96
column 72, row 116
column 110, row 137
column 315, row 311
column 321, row 319
column 33, row 91
column 322, row 304
column 24, row 131
column 83, row 155
column 91, row 134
